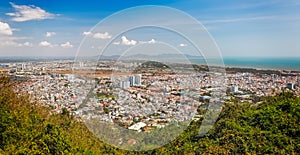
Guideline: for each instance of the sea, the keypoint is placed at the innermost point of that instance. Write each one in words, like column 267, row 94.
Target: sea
column 259, row 63
column 287, row 63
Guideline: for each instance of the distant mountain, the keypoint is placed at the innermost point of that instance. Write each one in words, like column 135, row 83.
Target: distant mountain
column 150, row 57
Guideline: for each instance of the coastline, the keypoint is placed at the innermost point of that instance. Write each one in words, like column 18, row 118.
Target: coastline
column 278, row 64
column 286, row 64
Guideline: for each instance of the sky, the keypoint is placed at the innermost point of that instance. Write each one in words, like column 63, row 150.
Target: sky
column 57, row 28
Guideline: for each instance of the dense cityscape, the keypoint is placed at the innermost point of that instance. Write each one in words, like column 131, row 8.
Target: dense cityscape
column 152, row 77
column 137, row 99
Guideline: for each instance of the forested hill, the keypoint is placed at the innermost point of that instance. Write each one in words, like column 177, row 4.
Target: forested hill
column 271, row 127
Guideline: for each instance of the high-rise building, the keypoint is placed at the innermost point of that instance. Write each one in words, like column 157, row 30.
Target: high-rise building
column 135, row 80
column 131, row 80
column 124, row 84
column 23, row 67
column 81, row 64
column 138, row 80
column 290, row 86
column 234, row 89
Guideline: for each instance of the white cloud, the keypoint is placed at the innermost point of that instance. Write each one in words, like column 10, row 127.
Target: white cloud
column 96, row 47
column 116, row 43
column 50, row 34
column 5, row 29
column 104, row 35
column 45, row 44
column 28, row 12
column 15, row 44
column 66, row 45
column 182, row 45
column 87, row 33
column 152, row 41
column 125, row 41
column 27, row 44
column 8, row 43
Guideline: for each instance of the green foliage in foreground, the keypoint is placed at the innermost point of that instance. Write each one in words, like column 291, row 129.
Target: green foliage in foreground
column 272, row 127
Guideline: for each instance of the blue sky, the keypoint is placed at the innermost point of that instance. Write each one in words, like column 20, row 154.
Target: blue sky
column 240, row 28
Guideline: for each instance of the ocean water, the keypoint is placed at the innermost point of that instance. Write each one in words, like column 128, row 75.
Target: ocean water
column 260, row 63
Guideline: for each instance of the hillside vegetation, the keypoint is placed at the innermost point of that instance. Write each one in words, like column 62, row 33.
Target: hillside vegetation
column 271, row 127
